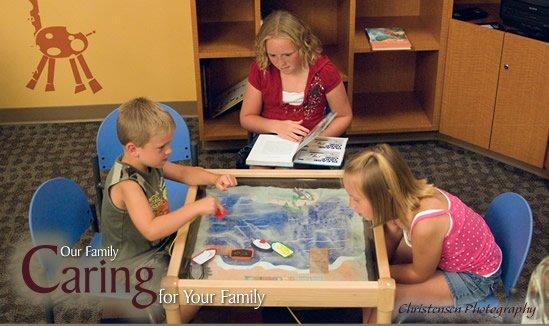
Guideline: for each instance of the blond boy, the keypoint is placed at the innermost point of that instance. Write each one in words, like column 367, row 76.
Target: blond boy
column 134, row 213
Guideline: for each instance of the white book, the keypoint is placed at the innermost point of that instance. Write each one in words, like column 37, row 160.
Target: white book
column 272, row 150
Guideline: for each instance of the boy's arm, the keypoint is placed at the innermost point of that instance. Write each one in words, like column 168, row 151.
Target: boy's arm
column 154, row 228
column 195, row 176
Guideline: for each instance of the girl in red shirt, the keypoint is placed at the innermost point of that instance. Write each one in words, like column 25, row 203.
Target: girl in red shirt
column 291, row 84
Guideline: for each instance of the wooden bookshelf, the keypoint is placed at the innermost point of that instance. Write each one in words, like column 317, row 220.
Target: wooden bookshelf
column 390, row 92
column 336, row 57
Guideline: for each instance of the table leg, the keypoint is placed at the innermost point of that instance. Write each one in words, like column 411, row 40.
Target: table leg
column 386, row 302
column 384, row 317
column 173, row 316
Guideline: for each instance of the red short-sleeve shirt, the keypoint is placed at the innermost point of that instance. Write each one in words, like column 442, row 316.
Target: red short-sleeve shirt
column 323, row 77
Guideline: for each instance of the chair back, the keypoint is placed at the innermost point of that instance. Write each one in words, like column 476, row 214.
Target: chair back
column 59, row 214
column 510, row 219
column 109, row 147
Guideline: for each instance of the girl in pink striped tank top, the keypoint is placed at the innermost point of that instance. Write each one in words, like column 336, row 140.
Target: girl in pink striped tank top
column 442, row 253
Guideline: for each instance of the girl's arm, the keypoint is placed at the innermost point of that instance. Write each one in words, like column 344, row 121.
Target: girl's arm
column 154, row 228
column 195, row 176
column 393, row 236
column 427, row 238
column 251, row 119
column 339, row 103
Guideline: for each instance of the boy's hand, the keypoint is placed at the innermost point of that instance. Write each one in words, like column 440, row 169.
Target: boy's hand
column 225, row 181
column 208, row 205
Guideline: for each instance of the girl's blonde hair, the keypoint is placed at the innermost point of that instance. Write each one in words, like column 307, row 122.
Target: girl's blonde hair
column 283, row 24
column 384, row 178
column 140, row 119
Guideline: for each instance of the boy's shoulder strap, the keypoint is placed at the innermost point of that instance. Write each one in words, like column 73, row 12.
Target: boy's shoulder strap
column 122, row 172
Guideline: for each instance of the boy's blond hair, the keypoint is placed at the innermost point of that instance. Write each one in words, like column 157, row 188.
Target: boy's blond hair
column 140, row 119
column 283, row 24
column 384, row 178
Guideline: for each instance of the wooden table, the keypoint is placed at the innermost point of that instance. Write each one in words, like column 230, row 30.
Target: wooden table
column 378, row 293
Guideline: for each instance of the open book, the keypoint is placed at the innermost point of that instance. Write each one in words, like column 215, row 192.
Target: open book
column 272, row 150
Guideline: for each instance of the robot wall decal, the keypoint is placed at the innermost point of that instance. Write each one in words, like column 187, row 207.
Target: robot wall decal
column 55, row 42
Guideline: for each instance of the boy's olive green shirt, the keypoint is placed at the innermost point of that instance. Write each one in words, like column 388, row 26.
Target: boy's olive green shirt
column 116, row 226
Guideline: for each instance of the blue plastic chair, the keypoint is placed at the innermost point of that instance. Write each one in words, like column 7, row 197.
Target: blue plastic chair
column 109, row 149
column 510, row 219
column 59, row 215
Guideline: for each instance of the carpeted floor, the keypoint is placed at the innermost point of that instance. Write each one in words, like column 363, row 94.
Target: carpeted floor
column 31, row 154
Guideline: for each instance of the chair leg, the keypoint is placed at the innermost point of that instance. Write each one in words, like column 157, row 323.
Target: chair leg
column 121, row 311
column 50, row 317
column 98, row 185
column 194, row 154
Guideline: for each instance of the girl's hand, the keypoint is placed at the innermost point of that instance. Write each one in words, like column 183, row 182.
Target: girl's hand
column 393, row 224
column 291, row 130
column 208, row 205
column 225, row 181
column 394, row 227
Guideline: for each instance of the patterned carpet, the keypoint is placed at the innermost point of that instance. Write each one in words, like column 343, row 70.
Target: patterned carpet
column 31, row 154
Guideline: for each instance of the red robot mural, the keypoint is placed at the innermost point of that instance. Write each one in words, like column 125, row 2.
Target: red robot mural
column 55, row 42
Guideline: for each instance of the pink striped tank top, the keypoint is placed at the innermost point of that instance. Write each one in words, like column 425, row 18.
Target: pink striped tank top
column 469, row 246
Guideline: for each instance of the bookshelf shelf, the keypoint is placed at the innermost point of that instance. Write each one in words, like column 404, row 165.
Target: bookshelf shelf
column 417, row 32
column 226, row 39
column 388, row 112
column 224, row 127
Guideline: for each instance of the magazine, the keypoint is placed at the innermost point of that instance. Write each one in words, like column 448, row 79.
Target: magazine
column 393, row 38
column 228, row 98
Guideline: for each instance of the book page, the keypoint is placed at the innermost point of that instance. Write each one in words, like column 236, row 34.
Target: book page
column 271, row 150
column 328, row 151
column 320, row 127
column 274, row 147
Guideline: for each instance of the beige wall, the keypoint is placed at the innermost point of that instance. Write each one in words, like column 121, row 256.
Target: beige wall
column 140, row 47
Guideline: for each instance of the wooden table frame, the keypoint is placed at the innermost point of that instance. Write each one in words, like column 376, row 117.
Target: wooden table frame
column 379, row 294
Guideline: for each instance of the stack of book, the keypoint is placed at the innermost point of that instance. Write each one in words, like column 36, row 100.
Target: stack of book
column 382, row 39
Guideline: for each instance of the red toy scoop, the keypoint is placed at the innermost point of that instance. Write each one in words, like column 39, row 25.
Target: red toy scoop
column 220, row 214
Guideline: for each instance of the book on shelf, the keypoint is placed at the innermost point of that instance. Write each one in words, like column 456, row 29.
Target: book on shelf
column 392, row 38
column 227, row 99
column 272, row 150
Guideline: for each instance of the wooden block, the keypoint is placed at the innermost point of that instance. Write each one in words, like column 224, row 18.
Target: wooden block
column 318, row 260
